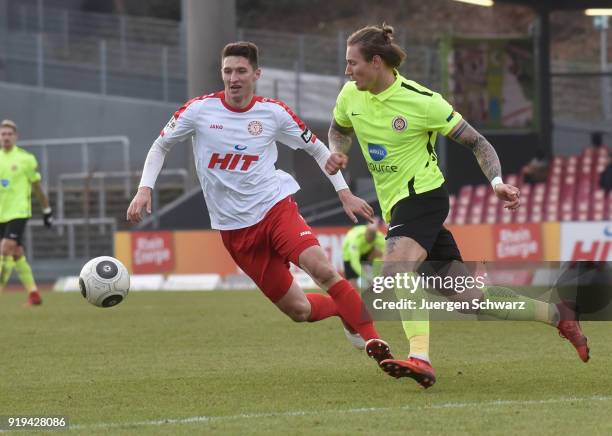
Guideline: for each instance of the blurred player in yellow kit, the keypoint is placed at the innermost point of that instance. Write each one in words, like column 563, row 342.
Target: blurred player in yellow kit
column 18, row 177
column 362, row 245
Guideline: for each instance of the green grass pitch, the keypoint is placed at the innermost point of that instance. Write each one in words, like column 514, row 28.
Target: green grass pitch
column 231, row 363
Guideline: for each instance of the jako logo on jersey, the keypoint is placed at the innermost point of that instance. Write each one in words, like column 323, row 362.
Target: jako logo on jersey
column 255, row 128
column 216, row 126
column 231, row 160
column 306, row 232
column 377, row 152
column 240, row 147
column 5, row 183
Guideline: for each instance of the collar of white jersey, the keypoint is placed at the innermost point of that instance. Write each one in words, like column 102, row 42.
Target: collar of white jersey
column 227, row 106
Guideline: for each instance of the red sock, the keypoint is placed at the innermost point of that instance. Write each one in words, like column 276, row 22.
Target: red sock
column 352, row 310
column 321, row 306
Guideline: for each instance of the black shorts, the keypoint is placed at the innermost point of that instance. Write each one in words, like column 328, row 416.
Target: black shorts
column 421, row 217
column 13, row 229
column 349, row 272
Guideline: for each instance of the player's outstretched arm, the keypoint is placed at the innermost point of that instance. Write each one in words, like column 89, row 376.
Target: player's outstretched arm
column 44, row 202
column 340, row 141
column 140, row 203
column 351, row 204
column 354, row 205
column 488, row 160
column 142, row 200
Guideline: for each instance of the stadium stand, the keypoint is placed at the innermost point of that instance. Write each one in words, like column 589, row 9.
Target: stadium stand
column 571, row 193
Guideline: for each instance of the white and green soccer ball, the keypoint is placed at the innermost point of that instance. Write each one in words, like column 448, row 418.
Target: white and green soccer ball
column 104, row 281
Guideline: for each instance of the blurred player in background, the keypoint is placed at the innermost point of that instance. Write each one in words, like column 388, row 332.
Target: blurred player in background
column 250, row 201
column 18, row 177
column 396, row 121
column 362, row 245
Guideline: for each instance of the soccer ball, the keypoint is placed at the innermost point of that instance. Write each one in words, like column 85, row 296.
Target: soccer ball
column 104, row 281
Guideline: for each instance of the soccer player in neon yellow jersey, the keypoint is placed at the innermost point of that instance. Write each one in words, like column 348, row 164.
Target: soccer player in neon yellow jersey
column 364, row 243
column 18, row 176
column 396, row 122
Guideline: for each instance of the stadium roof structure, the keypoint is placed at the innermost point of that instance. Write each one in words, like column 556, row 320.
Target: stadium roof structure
column 553, row 5
column 543, row 8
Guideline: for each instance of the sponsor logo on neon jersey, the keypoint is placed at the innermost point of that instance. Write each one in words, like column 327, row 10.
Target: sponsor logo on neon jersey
column 382, row 168
column 377, row 152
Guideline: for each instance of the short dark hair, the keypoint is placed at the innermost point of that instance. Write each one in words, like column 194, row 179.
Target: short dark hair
column 378, row 40
column 242, row 48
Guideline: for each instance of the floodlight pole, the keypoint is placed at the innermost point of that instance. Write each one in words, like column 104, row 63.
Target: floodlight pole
column 207, row 26
column 601, row 23
column 544, row 78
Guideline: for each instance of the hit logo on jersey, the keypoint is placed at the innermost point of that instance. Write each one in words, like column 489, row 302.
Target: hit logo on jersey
column 230, row 161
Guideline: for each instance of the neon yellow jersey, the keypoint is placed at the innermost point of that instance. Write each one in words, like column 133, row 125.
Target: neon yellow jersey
column 355, row 245
column 397, row 132
column 18, row 170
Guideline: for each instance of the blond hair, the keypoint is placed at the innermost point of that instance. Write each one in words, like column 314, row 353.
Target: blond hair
column 378, row 40
column 9, row 123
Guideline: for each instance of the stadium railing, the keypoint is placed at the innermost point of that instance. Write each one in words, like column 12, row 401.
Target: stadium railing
column 143, row 57
column 101, row 183
column 58, row 163
column 82, row 239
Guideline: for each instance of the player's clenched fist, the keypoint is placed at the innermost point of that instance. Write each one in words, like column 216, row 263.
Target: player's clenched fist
column 509, row 194
column 142, row 200
column 336, row 162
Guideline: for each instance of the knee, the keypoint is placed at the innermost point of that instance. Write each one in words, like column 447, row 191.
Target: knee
column 299, row 312
column 324, row 273
column 7, row 248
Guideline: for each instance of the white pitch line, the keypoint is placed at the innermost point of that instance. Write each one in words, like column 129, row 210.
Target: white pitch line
column 207, row 419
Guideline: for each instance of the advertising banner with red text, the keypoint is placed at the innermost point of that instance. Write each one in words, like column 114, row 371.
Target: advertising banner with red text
column 517, row 241
column 152, row 252
column 586, row 241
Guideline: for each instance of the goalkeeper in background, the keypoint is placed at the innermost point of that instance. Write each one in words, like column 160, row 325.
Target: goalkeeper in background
column 18, row 177
column 362, row 244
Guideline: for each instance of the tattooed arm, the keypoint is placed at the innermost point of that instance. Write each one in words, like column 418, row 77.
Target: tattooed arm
column 484, row 152
column 339, row 140
column 487, row 158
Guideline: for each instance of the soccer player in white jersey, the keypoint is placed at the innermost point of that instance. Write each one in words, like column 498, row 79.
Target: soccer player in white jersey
column 250, row 201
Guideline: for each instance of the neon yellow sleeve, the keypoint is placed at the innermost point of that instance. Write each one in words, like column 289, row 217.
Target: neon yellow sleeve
column 441, row 117
column 340, row 110
column 32, row 170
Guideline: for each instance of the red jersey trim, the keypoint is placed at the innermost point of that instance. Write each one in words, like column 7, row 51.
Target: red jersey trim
column 235, row 109
column 182, row 109
column 202, row 97
column 292, row 114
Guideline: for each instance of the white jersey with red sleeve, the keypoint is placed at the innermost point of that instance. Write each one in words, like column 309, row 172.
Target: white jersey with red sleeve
column 235, row 154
